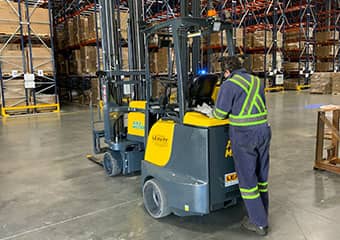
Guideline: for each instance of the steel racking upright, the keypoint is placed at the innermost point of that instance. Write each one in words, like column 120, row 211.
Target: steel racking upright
column 300, row 19
column 33, row 87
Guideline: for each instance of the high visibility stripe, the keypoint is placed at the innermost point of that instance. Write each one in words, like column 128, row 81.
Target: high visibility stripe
column 221, row 111
column 246, row 119
column 251, row 197
column 246, row 190
column 249, row 99
column 263, row 186
column 247, row 123
column 252, row 193
column 219, row 114
column 256, row 93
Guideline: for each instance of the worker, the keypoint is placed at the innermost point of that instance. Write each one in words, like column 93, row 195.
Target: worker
column 241, row 98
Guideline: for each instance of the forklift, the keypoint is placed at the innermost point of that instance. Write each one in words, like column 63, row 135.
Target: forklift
column 184, row 156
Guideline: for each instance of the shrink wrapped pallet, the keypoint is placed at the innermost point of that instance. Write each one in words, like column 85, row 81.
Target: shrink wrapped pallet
column 70, row 39
column 258, row 61
column 321, row 83
column 75, row 63
column 262, row 38
column 76, row 30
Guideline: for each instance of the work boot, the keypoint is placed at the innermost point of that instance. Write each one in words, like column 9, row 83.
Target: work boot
column 247, row 225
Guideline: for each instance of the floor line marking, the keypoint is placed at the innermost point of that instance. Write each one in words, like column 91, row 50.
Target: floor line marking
column 38, row 229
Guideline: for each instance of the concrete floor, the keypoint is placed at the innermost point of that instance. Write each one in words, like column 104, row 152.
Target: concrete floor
column 48, row 190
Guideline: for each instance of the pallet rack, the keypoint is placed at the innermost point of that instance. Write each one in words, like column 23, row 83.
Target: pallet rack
column 63, row 11
column 328, row 18
column 31, row 76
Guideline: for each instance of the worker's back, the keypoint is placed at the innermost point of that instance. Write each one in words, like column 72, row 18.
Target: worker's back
column 242, row 97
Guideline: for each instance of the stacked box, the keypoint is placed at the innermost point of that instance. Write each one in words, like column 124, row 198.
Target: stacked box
column 14, row 93
column 42, row 59
column 324, row 66
column 262, row 38
column 296, row 36
column 239, row 37
column 88, row 58
column 84, row 29
column 70, row 39
column 9, row 19
column 39, row 21
column 76, row 29
column 321, row 83
column 326, row 51
column 75, row 62
column 324, row 37
column 124, row 16
column 95, row 91
column 92, row 26
column 336, row 83
column 11, row 59
column 291, row 66
column 159, row 61
column 62, row 65
column 258, row 60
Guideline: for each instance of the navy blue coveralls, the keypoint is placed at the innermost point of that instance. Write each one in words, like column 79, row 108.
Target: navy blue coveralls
column 241, row 98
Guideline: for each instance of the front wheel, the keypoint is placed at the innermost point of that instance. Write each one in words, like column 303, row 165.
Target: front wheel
column 112, row 165
column 155, row 200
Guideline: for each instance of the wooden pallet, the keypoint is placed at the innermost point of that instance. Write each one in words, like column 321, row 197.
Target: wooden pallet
column 331, row 162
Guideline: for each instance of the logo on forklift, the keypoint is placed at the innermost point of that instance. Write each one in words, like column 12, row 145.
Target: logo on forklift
column 137, row 125
column 230, row 179
column 228, row 151
column 160, row 140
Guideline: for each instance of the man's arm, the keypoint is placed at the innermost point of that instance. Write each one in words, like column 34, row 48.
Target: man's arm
column 224, row 101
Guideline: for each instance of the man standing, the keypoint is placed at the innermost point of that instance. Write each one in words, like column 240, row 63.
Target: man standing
column 241, row 98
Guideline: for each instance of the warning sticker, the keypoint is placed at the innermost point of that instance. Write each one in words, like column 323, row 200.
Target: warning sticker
column 230, row 179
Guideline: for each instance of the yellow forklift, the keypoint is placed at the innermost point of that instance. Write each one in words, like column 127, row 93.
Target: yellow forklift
column 184, row 156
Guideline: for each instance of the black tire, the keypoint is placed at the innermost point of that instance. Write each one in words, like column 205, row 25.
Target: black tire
column 111, row 165
column 155, row 201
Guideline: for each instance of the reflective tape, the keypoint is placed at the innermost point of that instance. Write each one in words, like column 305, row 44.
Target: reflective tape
column 235, row 119
column 249, row 194
column 263, row 186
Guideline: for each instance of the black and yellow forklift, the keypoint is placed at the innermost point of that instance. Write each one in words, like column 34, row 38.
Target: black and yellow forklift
column 184, row 156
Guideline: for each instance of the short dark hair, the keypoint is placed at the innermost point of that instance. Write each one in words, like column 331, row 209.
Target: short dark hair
column 230, row 63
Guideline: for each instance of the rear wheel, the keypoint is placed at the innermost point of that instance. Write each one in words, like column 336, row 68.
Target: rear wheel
column 112, row 165
column 155, row 200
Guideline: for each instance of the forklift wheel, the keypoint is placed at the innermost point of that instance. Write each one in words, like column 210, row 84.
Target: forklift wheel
column 111, row 165
column 154, row 199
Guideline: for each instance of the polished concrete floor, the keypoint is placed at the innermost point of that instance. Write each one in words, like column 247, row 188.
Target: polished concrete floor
column 48, row 190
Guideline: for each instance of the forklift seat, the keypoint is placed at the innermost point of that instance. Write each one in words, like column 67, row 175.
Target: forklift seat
column 202, row 88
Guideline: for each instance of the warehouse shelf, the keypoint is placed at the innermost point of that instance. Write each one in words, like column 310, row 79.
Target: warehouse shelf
column 27, row 73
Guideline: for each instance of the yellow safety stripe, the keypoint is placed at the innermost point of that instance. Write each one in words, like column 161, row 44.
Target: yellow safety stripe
column 249, row 190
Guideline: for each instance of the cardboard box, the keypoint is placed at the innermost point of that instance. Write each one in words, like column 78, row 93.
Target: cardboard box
column 88, row 58
column 92, row 26
column 321, row 83
column 324, row 67
column 11, row 60
column 159, row 61
column 84, row 29
column 327, row 51
column 336, row 83
column 70, row 40
column 291, row 66
column 291, row 84
column 257, row 62
column 75, row 63
column 324, row 37
column 124, row 17
column 42, row 59
column 39, row 21
column 9, row 19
